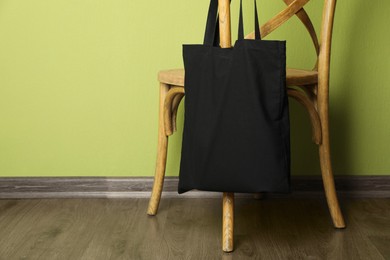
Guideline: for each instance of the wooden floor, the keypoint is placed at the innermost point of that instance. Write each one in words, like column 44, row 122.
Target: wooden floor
column 191, row 229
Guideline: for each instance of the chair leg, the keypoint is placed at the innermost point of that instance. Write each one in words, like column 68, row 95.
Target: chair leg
column 162, row 147
column 227, row 221
column 327, row 178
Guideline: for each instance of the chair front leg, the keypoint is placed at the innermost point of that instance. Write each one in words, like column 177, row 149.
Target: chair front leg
column 162, row 147
column 327, row 177
column 325, row 161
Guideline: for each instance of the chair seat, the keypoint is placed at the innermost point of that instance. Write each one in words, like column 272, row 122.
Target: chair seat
column 294, row 77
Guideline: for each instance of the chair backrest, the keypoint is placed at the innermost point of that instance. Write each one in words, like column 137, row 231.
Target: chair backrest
column 296, row 7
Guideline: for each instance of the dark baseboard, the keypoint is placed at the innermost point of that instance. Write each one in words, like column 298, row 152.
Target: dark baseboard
column 102, row 187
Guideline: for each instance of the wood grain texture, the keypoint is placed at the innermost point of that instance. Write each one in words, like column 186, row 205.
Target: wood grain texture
column 280, row 18
column 228, row 222
column 189, row 229
column 225, row 36
column 323, row 111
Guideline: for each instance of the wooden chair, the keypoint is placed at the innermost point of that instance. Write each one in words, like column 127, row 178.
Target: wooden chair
column 311, row 89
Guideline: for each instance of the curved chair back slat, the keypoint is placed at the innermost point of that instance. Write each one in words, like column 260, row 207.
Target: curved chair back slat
column 280, row 18
column 296, row 7
column 305, row 19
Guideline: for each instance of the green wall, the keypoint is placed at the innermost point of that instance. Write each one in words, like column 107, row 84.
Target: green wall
column 79, row 94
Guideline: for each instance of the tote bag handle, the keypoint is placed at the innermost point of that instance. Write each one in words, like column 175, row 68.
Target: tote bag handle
column 241, row 24
column 211, row 36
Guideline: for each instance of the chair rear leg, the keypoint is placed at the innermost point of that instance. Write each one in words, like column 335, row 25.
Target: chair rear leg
column 228, row 222
column 162, row 147
column 327, row 178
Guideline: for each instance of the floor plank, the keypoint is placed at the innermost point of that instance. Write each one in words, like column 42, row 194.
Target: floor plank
column 191, row 229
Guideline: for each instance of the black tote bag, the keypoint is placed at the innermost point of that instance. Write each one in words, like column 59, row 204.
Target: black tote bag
column 236, row 126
